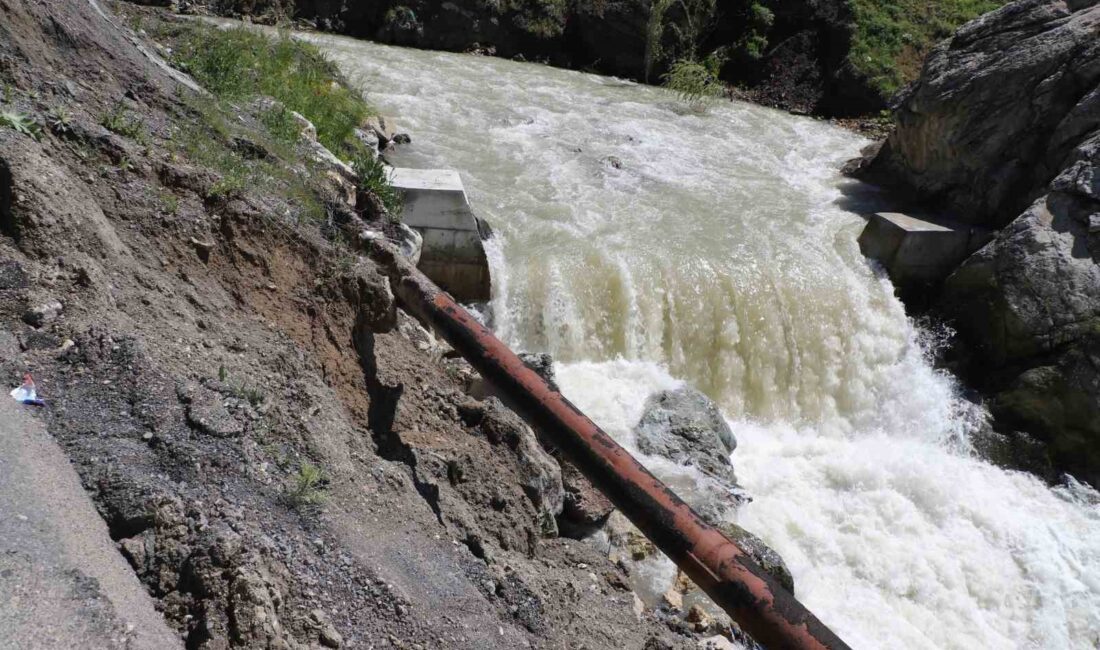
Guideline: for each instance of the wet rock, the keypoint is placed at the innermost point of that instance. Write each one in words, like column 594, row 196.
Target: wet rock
column 699, row 618
column 543, row 365
column 685, row 426
column 42, row 314
column 383, row 128
column 761, row 553
column 369, row 139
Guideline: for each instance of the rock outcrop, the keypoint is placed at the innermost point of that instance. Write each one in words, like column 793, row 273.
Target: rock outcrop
column 997, row 110
column 1003, row 129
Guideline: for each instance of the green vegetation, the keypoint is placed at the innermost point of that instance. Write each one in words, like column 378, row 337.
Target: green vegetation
column 122, row 122
column 892, row 38
column 696, row 84
column 759, row 22
column 21, row 123
column 307, row 486
column 238, row 64
column 374, row 177
column 60, row 121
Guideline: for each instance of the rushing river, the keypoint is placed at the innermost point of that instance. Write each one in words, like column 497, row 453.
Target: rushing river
column 644, row 245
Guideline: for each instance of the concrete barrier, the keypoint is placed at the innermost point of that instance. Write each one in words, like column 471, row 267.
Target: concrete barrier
column 453, row 255
column 919, row 251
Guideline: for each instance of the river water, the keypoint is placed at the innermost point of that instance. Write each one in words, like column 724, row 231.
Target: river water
column 645, row 245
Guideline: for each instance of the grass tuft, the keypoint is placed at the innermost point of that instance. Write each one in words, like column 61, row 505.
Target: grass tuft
column 124, row 123
column 695, row 83
column 307, row 486
column 374, row 176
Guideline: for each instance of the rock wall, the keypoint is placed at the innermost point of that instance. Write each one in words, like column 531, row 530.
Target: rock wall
column 1003, row 129
column 997, row 109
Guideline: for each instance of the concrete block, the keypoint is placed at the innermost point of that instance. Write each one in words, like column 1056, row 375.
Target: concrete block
column 919, row 250
column 436, row 206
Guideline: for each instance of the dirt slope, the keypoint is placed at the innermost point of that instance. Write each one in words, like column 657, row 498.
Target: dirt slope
column 207, row 350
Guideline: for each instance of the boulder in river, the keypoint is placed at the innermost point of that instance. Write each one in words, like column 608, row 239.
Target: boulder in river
column 685, row 426
column 1003, row 130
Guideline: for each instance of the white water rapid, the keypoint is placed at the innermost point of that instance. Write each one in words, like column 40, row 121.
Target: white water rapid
column 643, row 245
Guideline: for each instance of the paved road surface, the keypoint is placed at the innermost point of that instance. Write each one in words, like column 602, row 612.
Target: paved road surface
column 62, row 583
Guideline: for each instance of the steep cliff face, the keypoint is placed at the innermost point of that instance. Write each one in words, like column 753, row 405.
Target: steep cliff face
column 1003, row 129
column 997, row 109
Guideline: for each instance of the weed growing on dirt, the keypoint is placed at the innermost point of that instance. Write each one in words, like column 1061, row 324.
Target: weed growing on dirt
column 169, row 203
column 60, row 121
column 307, row 486
column 892, row 38
column 21, row 123
column 239, row 63
column 124, row 123
column 374, row 176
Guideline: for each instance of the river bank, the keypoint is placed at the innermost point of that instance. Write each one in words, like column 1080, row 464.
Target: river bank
column 720, row 250
column 830, row 58
column 271, row 446
column 207, row 355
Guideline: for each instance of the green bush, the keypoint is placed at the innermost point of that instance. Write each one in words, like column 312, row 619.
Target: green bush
column 240, row 63
column 695, row 83
column 892, row 38
column 307, row 486
column 374, row 176
column 21, row 123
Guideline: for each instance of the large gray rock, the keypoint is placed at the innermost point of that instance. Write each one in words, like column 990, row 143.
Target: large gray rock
column 1003, row 129
column 997, row 109
column 685, row 426
column 1028, row 308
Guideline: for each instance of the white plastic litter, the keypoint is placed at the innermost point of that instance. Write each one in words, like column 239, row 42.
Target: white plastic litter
column 26, row 393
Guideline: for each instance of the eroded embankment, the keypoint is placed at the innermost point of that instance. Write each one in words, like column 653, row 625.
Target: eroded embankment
column 279, row 457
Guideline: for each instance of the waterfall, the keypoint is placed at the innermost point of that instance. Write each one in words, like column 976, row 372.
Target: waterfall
column 645, row 245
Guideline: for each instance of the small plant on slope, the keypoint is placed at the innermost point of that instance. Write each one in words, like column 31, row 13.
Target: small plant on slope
column 21, row 123
column 374, row 177
column 307, row 486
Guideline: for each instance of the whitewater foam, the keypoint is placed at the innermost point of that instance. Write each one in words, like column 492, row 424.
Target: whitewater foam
column 720, row 249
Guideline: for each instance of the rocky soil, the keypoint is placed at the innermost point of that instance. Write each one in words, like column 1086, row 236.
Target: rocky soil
column 1003, row 130
column 283, row 459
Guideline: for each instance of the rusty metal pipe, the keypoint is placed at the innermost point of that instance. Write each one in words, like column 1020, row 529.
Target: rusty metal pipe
column 723, row 570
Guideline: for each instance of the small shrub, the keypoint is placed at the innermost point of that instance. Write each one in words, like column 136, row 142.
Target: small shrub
column 122, row 122
column 755, row 41
column 694, row 83
column 21, row 123
column 60, row 121
column 226, row 187
column 169, row 203
column 374, row 177
column 307, row 486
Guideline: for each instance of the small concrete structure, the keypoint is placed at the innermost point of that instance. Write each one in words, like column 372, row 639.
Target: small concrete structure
column 453, row 255
column 919, row 251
